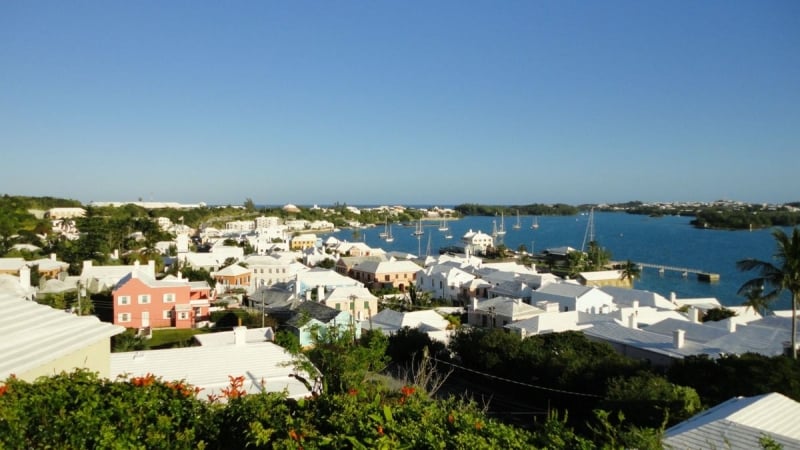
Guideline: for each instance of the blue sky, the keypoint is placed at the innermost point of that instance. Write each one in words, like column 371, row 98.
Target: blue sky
column 415, row 102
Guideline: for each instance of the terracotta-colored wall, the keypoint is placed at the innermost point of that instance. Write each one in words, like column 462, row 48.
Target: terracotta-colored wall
column 135, row 287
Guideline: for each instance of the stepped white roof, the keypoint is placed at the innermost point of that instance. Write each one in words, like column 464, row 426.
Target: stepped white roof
column 265, row 366
column 33, row 335
column 739, row 423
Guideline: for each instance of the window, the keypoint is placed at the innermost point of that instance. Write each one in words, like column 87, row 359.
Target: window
column 167, row 314
column 169, row 298
column 183, row 315
column 124, row 300
column 123, row 317
column 366, row 304
column 144, row 299
column 387, row 277
column 339, row 306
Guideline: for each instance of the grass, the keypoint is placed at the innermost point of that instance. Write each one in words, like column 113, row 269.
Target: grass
column 173, row 337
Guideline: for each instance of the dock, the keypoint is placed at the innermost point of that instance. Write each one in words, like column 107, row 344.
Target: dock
column 702, row 275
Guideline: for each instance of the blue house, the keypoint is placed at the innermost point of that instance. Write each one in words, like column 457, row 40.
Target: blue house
column 310, row 317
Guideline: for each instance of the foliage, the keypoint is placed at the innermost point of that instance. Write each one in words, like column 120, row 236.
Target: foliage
column 720, row 379
column 346, row 361
column 78, row 410
column 407, row 345
column 229, row 318
column 128, row 341
column 630, row 271
column 651, row 399
column 558, row 209
column 717, row 314
column 745, row 217
column 775, row 278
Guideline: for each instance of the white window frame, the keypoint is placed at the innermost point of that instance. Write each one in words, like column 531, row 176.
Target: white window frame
column 183, row 315
column 143, row 299
column 124, row 317
column 166, row 314
column 169, row 297
column 124, row 300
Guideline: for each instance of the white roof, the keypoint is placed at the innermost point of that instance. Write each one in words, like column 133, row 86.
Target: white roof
column 13, row 264
column 739, row 423
column 33, row 335
column 265, row 366
column 653, row 342
column 600, row 275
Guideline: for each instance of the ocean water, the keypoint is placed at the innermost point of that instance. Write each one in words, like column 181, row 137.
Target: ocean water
column 668, row 241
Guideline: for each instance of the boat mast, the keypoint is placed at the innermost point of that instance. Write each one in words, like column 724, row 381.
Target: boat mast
column 589, row 234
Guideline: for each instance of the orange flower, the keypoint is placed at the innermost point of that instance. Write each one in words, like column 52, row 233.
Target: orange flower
column 451, row 418
column 293, row 434
column 3, row 390
column 380, row 430
column 478, row 425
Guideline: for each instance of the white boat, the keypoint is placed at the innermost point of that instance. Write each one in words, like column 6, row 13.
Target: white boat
column 443, row 226
column 535, row 223
column 494, row 228
column 389, row 237
column 418, row 231
column 385, row 231
column 502, row 230
column 517, row 225
column 448, row 236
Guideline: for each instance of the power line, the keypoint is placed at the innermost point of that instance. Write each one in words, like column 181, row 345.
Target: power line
column 560, row 391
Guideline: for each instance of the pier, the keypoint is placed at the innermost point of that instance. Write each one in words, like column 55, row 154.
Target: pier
column 702, row 275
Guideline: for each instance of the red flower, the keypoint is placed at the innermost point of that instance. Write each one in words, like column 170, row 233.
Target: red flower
column 478, row 425
column 3, row 390
column 451, row 418
column 380, row 430
column 352, row 392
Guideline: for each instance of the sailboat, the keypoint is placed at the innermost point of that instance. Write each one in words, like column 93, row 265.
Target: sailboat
column 385, row 231
column 419, row 231
column 494, row 228
column 443, row 226
column 535, row 223
column 517, row 225
column 389, row 237
column 502, row 230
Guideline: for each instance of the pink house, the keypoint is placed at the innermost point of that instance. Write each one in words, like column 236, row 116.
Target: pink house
column 141, row 301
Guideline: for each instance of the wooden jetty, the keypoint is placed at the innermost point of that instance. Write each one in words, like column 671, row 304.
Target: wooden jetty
column 702, row 275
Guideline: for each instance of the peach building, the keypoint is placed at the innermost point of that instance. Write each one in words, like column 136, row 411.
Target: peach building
column 141, row 301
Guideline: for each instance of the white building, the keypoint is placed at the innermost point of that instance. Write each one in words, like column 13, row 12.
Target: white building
column 574, row 297
column 476, row 242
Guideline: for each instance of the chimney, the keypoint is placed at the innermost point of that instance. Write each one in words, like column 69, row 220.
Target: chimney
column 694, row 314
column 136, row 264
column 52, row 256
column 672, row 297
column 151, row 266
column 87, row 264
column 636, row 306
column 320, row 293
column 678, row 338
column 731, row 325
column 474, row 303
column 25, row 276
column 633, row 321
column 240, row 334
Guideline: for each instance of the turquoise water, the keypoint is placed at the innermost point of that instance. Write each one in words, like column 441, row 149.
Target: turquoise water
column 669, row 241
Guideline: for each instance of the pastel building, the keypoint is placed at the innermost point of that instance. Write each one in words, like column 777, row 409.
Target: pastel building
column 141, row 301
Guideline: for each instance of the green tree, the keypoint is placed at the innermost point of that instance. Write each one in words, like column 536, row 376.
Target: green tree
column 630, row 271
column 598, row 256
column 651, row 399
column 781, row 276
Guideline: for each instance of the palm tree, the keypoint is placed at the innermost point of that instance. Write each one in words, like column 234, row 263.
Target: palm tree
column 778, row 277
column 630, row 271
column 755, row 299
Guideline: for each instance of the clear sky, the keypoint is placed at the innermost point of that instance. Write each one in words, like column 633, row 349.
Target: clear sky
column 411, row 102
